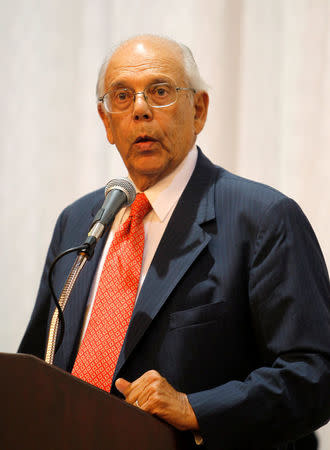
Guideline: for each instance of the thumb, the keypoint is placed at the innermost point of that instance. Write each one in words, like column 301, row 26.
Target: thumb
column 123, row 386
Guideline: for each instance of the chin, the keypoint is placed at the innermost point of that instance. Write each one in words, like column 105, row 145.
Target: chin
column 146, row 177
column 147, row 166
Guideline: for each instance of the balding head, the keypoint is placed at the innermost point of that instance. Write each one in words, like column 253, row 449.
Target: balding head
column 181, row 55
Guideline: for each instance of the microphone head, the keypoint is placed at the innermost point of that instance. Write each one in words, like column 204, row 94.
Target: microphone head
column 124, row 185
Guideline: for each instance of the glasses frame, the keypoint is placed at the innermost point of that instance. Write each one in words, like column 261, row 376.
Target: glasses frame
column 177, row 89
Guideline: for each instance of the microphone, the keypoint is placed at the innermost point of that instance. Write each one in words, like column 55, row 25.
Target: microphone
column 119, row 192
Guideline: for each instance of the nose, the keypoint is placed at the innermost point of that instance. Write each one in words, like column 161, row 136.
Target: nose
column 141, row 109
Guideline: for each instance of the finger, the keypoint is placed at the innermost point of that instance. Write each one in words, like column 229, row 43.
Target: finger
column 154, row 384
column 158, row 403
column 136, row 389
column 139, row 386
column 123, row 386
column 141, row 394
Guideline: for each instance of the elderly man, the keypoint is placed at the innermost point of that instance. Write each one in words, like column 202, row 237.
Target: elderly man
column 229, row 336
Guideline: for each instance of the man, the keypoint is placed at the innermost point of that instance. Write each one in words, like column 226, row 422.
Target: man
column 230, row 331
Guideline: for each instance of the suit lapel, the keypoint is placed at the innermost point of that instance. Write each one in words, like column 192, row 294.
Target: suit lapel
column 182, row 242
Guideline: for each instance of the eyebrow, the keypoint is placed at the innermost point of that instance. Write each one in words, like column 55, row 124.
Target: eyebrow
column 125, row 84
column 160, row 80
column 118, row 84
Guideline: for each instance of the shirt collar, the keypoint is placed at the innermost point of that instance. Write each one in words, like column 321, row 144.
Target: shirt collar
column 164, row 195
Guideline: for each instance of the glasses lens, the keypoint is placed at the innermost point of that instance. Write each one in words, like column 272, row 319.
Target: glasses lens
column 157, row 95
column 161, row 94
column 118, row 100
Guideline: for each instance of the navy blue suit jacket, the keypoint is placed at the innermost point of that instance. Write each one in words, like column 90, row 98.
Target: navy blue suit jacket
column 234, row 310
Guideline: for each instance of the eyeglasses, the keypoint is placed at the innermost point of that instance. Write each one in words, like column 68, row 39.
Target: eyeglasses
column 157, row 95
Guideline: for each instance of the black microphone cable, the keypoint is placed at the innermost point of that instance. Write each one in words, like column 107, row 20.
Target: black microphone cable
column 79, row 249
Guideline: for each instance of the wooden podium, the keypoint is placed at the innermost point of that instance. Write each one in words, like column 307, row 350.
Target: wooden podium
column 45, row 408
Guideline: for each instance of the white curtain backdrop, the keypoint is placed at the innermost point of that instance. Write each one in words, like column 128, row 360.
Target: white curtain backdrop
column 267, row 63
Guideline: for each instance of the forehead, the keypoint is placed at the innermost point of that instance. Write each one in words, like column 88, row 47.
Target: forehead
column 140, row 62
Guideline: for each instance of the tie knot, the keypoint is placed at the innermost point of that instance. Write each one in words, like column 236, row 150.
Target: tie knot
column 140, row 207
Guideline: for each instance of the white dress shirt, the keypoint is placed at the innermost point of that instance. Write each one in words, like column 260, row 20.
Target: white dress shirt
column 163, row 197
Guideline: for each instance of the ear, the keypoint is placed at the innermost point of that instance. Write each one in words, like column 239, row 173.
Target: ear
column 201, row 104
column 106, row 120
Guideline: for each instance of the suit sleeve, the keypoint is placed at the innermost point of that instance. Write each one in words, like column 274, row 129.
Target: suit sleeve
column 288, row 396
column 35, row 337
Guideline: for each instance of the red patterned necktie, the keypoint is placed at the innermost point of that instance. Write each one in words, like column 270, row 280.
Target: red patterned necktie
column 114, row 301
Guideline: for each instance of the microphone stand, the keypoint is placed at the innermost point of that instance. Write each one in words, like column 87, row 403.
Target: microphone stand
column 122, row 193
column 77, row 267
column 85, row 253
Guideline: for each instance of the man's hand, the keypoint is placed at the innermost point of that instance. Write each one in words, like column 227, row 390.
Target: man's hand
column 152, row 393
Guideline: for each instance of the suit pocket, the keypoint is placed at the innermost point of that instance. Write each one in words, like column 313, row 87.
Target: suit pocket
column 197, row 315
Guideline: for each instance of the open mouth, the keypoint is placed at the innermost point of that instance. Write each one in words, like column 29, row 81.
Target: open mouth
column 140, row 139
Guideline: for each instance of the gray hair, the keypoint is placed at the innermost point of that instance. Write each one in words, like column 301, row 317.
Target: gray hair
column 189, row 64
